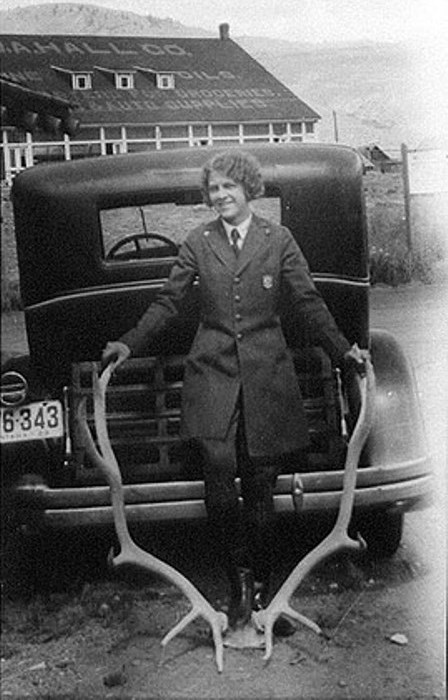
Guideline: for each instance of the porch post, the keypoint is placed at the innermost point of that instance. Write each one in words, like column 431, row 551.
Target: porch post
column 29, row 160
column 67, row 152
column 7, row 157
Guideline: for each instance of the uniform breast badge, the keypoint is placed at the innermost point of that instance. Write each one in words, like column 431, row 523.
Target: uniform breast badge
column 267, row 281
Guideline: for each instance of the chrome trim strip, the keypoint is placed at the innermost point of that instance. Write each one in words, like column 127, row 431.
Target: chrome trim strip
column 350, row 281
column 93, row 291
column 322, row 277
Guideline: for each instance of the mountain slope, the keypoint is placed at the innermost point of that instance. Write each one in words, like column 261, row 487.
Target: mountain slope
column 91, row 20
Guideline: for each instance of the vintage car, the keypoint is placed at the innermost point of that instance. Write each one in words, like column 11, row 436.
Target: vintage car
column 96, row 240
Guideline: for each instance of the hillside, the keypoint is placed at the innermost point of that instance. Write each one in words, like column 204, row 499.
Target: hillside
column 368, row 92
column 371, row 87
column 91, row 20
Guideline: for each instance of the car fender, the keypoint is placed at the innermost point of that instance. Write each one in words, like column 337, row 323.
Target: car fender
column 23, row 365
column 397, row 435
column 16, row 363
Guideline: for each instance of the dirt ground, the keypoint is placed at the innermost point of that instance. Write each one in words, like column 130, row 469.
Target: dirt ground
column 104, row 641
column 92, row 633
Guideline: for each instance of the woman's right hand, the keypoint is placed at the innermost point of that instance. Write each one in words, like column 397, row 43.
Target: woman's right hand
column 115, row 352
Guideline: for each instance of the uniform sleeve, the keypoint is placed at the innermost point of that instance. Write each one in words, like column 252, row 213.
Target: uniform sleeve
column 167, row 303
column 309, row 303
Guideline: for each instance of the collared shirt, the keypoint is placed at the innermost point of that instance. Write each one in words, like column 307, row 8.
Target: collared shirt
column 242, row 229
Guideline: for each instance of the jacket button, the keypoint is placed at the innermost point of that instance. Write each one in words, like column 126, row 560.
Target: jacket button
column 237, row 279
column 239, row 336
column 238, row 317
column 237, row 297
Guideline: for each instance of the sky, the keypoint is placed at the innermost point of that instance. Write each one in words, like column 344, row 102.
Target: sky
column 296, row 20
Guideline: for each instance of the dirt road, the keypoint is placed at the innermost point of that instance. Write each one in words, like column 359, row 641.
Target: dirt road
column 100, row 635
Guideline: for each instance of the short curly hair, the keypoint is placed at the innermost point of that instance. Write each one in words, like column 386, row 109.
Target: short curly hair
column 241, row 167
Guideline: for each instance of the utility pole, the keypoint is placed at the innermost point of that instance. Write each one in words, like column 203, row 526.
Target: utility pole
column 407, row 196
column 335, row 123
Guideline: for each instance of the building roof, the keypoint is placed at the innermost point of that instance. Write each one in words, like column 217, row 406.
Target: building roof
column 215, row 79
column 374, row 152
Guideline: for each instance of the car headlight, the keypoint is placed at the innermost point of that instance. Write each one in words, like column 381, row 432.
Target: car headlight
column 13, row 389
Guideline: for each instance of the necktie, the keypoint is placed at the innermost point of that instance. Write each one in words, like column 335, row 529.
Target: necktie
column 235, row 236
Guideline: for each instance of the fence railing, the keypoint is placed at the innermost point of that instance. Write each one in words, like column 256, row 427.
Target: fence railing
column 19, row 155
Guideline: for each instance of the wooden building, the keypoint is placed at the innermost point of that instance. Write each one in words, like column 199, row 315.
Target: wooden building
column 70, row 96
column 379, row 159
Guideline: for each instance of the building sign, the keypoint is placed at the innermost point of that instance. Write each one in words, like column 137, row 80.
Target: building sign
column 428, row 171
column 147, row 100
column 87, row 48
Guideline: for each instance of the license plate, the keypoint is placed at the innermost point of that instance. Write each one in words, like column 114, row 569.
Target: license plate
column 34, row 421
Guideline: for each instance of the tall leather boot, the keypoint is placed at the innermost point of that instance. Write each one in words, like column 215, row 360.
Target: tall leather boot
column 230, row 549
column 241, row 597
column 261, row 599
column 262, row 594
column 263, row 566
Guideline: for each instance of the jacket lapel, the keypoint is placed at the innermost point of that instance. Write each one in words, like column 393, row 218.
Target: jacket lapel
column 256, row 240
column 219, row 243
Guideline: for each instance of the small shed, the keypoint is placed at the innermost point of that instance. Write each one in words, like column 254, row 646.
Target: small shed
column 379, row 158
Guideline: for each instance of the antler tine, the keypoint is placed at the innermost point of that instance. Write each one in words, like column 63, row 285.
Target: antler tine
column 338, row 538
column 130, row 552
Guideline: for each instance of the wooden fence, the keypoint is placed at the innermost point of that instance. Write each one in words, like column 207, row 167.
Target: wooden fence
column 19, row 155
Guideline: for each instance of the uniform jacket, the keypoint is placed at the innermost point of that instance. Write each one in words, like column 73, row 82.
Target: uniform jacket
column 239, row 344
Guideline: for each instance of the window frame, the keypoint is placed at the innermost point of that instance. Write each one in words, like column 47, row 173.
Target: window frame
column 168, row 77
column 124, row 76
column 76, row 77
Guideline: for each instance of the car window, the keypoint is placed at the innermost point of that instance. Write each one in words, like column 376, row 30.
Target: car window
column 268, row 207
column 157, row 230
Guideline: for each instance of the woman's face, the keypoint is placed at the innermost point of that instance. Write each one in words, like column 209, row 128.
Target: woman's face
column 228, row 198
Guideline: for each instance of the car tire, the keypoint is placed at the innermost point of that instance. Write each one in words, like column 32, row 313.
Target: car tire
column 19, row 560
column 382, row 531
column 51, row 561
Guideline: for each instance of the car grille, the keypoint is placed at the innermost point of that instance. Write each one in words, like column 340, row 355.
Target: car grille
column 143, row 415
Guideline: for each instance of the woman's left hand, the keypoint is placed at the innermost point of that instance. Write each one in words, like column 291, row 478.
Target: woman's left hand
column 355, row 358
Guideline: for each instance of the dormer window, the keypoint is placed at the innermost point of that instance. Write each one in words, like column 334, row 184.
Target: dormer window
column 81, row 81
column 165, row 81
column 124, row 81
column 121, row 79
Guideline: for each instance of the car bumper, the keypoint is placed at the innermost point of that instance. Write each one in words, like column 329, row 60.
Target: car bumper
column 406, row 486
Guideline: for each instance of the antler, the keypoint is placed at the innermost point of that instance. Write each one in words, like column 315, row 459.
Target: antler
column 338, row 538
column 130, row 552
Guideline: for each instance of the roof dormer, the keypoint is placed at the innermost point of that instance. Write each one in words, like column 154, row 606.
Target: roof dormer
column 80, row 80
column 164, row 80
column 123, row 79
